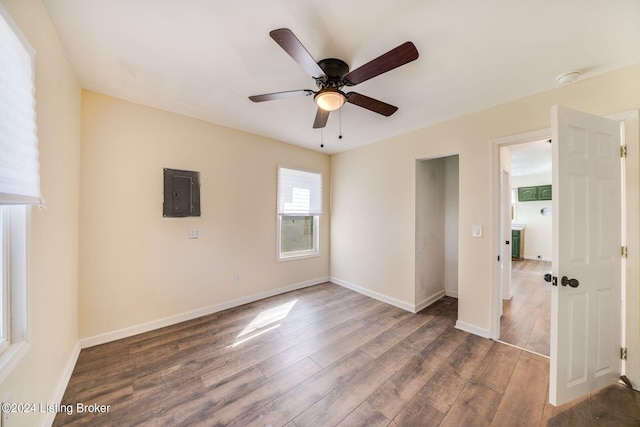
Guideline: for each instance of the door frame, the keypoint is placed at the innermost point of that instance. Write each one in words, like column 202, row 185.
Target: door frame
column 631, row 196
column 631, row 239
column 496, row 214
column 505, row 235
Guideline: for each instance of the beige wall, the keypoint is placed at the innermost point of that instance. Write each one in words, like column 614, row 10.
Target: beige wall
column 373, row 205
column 53, row 262
column 137, row 267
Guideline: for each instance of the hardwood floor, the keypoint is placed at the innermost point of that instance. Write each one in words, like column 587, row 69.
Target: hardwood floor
column 526, row 318
column 321, row 356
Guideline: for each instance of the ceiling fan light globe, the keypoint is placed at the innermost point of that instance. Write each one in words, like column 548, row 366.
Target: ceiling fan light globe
column 330, row 100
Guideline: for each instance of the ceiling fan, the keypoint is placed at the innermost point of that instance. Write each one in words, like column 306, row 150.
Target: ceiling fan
column 332, row 74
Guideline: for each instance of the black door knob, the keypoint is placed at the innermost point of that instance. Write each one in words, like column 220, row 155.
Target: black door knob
column 571, row 282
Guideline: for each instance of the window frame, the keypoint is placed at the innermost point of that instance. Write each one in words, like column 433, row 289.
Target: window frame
column 5, row 289
column 14, row 238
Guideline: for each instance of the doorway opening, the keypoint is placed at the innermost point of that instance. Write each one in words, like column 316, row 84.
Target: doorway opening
column 437, row 201
column 526, row 218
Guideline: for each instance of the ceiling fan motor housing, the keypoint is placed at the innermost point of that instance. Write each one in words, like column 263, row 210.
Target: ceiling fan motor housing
column 335, row 69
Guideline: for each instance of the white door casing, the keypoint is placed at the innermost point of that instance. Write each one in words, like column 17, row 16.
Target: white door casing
column 505, row 274
column 585, row 320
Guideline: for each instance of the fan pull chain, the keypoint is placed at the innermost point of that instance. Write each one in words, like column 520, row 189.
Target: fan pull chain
column 321, row 138
column 340, row 134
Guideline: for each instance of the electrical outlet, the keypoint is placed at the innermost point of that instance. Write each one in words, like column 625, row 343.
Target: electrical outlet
column 236, row 278
column 194, row 233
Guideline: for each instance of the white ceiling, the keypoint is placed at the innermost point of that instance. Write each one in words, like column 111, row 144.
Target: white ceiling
column 203, row 58
column 531, row 158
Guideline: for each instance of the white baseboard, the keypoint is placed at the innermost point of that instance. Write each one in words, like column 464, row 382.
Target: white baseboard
column 472, row 329
column 64, row 381
column 430, row 300
column 452, row 294
column 172, row 320
column 535, row 258
column 375, row 295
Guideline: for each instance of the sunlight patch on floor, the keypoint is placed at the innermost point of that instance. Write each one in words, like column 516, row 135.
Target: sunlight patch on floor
column 264, row 322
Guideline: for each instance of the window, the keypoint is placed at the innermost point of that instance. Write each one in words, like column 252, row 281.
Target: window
column 299, row 210
column 19, row 186
column 13, row 294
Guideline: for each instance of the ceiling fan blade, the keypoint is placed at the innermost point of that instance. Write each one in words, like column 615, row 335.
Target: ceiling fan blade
column 396, row 57
column 371, row 104
column 281, row 95
column 321, row 118
column 290, row 43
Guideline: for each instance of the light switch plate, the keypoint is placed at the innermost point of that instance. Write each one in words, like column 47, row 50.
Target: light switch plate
column 476, row 231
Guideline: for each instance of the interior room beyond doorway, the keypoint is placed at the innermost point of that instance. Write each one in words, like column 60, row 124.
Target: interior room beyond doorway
column 526, row 315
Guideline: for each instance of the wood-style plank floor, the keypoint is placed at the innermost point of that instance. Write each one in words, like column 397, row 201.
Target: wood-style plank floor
column 324, row 356
column 526, row 318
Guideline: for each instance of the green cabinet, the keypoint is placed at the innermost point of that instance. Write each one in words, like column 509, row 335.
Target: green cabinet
column 516, row 241
column 538, row 192
column 527, row 194
column 544, row 192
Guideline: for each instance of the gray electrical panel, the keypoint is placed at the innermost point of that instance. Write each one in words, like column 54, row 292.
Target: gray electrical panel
column 181, row 193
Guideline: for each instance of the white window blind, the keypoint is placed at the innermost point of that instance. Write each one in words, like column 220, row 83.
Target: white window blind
column 19, row 166
column 299, row 192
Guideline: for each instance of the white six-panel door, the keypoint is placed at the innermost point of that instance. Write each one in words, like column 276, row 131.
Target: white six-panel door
column 585, row 320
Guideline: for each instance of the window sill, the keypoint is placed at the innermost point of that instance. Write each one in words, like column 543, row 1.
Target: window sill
column 291, row 256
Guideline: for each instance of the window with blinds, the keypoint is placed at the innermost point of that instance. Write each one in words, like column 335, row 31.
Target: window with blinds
column 19, row 166
column 19, row 187
column 299, row 209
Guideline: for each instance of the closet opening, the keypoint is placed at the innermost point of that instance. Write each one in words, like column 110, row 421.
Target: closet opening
column 437, row 201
